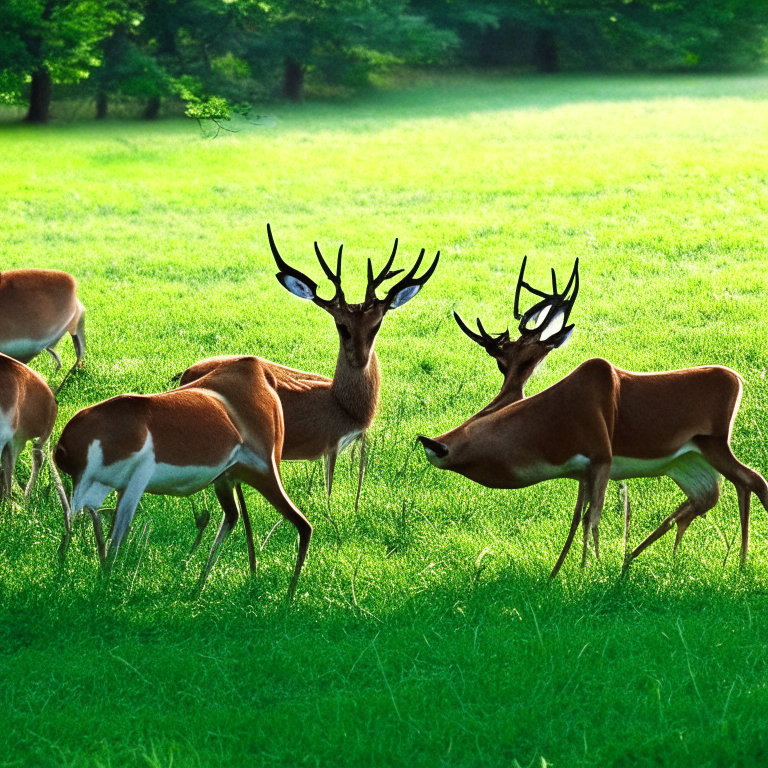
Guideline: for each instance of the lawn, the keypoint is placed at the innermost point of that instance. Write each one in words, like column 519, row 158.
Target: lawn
column 425, row 630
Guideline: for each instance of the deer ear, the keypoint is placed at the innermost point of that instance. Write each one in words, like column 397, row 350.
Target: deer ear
column 561, row 338
column 401, row 297
column 296, row 286
column 554, row 326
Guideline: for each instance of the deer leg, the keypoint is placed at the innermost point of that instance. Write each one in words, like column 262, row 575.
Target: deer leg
column 361, row 471
column 627, row 515
column 574, row 525
column 201, row 521
column 248, row 529
column 127, row 501
column 597, row 484
column 37, row 461
column 271, row 488
column 56, row 359
column 98, row 534
column 681, row 512
column 718, row 453
column 6, row 460
column 78, row 340
column 330, row 466
column 745, row 496
column 226, row 497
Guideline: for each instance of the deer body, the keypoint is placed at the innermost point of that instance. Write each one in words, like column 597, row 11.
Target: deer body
column 37, row 308
column 27, row 412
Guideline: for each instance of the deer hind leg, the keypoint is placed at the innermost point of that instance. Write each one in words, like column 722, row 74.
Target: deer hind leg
column 201, row 522
column 78, row 340
column 269, row 485
column 718, row 453
column 226, row 497
column 574, row 526
column 55, row 355
column 248, row 529
column 597, row 484
column 38, row 456
column 6, row 460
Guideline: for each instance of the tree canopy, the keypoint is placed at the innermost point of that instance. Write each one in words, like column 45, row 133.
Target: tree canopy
column 245, row 50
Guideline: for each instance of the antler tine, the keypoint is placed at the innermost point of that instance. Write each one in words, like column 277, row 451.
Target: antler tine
column 284, row 266
column 385, row 274
column 554, row 282
column 335, row 279
column 574, row 278
column 472, row 335
column 487, row 336
column 517, row 290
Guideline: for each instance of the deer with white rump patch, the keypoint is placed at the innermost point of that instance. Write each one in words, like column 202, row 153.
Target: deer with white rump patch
column 228, row 423
column 601, row 423
column 37, row 308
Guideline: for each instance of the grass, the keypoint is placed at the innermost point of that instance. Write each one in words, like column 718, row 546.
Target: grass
column 431, row 635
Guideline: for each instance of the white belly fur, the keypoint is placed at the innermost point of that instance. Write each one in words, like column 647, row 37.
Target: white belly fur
column 29, row 348
column 163, row 479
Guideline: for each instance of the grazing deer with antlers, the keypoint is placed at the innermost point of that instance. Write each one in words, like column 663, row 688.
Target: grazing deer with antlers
column 37, row 307
column 601, row 423
column 228, row 422
column 27, row 412
column 322, row 416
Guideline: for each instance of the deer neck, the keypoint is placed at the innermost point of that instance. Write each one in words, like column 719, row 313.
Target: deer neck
column 511, row 392
column 356, row 390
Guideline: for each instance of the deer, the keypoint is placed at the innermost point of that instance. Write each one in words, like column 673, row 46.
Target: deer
column 37, row 308
column 228, row 424
column 27, row 413
column 602, row 423
column 324, row 416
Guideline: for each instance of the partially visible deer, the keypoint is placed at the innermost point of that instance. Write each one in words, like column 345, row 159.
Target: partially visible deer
column 600, row 423
column 322, row 416
column 37, row 308
column 27, row 412
column 229, row 423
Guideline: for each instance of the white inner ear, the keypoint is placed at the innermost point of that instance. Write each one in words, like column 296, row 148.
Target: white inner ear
column 538, row 319
column 297, row 288
column 405, row 295
column 554, row 326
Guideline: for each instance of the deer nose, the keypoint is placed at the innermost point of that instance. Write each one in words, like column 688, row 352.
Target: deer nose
column 433, row 447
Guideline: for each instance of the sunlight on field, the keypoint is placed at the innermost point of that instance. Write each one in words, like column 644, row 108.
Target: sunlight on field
column 403, row 646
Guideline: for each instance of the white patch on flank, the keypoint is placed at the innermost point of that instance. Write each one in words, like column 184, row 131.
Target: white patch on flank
column 623, row 467
column 28, row 348
column 6, row 428
column 536, row 473
column 347, row 440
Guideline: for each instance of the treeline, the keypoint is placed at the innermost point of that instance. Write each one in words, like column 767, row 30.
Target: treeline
column 217, row 54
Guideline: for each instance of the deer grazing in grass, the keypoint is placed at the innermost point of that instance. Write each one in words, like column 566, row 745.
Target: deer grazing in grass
column 323, row 416
column 37, row 307
column 233, row 420
column 601, row 423
column 27, row 412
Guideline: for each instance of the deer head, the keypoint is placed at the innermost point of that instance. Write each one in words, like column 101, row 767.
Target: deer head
column 542, row 328
column 357, row 324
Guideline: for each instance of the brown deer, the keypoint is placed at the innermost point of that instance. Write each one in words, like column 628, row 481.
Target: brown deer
column 323, row 416
column 600, row 423
column 229, row 423
column 37, row 307
column 27, row 412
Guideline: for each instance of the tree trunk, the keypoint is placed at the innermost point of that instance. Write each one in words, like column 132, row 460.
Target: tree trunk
column 545, row 51
column 152, row 109
column 293, row 82
column 102, row 105
column 40, row 97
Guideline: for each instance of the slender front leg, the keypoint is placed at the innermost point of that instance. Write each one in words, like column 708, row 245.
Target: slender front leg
column 37, row 461
column 56, row 359
column 361, row 471
column 597, row 482
column 745, row 496
column 581, row 498
column 226, row 498
column 627, row 515
column 330, row 466
column 127, row 501
column 201, row 521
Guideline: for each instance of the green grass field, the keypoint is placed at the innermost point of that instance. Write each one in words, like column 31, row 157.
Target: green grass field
column 429, row 634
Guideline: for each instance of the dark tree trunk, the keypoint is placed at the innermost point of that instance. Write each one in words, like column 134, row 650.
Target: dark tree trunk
column 293, row 82
column 545, row 51
column 40, row 97
column 152, row 110
column 102, row 105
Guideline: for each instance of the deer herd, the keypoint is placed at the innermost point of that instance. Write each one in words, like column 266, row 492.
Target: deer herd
column 233, row 419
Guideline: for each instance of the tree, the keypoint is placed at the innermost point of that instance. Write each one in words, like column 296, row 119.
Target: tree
column 47, row 41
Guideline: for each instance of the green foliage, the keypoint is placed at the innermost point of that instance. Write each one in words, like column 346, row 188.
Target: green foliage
column 432, row 635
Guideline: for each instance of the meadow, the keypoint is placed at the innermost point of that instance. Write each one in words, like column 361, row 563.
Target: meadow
column 425, row 630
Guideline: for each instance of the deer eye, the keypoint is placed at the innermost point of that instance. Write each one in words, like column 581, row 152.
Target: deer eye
column 343, row 331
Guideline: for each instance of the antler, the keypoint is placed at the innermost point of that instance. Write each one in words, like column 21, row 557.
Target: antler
column 553, row 305
column 484, row 339
column 385, row 274
column 397, row 295
column 300, row 284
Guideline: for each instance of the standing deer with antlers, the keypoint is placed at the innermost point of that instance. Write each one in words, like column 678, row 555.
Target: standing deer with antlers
column 601, row 423
column 322, row 416
column 37, row 308
column 228, row 422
